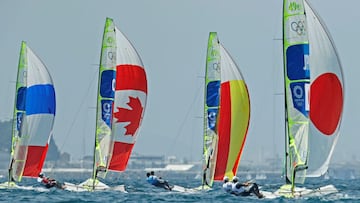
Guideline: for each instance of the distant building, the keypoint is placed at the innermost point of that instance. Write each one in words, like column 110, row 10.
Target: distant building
column 137, row 161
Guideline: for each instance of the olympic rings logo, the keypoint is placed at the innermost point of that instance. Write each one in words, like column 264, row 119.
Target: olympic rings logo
column 299, row 27
column 216, row 67
column 298, row 92
column 110, row 55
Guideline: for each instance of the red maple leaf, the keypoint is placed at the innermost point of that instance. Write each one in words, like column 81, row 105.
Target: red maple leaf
column 132, row 115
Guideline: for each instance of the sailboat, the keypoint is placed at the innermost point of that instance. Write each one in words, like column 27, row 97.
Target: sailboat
column 33, row 118
column 226, row 114
column 121, row 101
column 314, row 97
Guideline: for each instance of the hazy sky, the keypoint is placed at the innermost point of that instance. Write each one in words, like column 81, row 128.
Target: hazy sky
column 171, row 38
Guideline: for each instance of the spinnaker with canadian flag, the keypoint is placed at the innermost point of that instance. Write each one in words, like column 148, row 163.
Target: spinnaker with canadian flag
column 121, row 101
column 226, row 114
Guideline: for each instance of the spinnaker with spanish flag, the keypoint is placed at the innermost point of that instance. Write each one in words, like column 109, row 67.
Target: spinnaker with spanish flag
column 226, row 114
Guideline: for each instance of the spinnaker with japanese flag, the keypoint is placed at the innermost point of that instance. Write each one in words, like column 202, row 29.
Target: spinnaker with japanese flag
column 314, row 97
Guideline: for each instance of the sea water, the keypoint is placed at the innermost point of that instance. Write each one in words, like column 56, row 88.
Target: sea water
column 140, row 191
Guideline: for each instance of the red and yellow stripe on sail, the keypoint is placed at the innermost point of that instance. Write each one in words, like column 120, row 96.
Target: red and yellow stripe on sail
column 233, row 126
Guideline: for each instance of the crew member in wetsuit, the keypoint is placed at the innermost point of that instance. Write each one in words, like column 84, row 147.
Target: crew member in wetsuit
column 49, row 182
column 245, row 189
column 157, row 181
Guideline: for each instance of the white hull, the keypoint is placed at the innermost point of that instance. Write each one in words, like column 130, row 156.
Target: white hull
column 8, row 185
column 285, row 191
column 178, row 188
column 88, row 186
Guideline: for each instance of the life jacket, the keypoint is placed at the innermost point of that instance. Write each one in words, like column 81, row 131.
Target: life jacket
column 237, row 188
column 45, row 180
column 227, row 186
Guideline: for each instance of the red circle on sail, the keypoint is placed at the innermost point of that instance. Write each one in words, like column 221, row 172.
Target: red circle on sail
column 326, row 103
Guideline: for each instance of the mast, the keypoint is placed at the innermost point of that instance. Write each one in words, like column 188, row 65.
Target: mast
column 211, row 108
column 203, row 181
column 285, row 103
column 105, row 99
column 22, row 66
column 297, row 87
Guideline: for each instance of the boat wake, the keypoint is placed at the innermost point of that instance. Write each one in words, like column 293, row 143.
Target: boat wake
column 12, row 185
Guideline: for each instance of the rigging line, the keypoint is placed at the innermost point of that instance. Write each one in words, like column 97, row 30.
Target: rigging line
column 276, row 69
column 78, row 110
column 185, row 119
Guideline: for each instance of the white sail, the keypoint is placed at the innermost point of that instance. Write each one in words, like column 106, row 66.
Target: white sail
column 326, row 73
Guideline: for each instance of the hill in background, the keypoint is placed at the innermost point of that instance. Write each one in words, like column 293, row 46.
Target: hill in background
column 5, row 137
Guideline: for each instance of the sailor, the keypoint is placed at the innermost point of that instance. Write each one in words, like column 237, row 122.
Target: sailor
column 227, row 185
column 49, row 182
column 245, row 189
column 157, row 181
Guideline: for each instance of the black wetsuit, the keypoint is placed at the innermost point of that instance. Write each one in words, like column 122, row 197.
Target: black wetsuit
column 252, row 188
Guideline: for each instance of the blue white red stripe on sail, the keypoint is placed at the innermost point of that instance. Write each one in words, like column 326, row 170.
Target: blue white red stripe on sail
column 35, row 112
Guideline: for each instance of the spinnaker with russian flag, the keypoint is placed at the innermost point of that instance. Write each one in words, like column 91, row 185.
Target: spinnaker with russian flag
column 33, row 117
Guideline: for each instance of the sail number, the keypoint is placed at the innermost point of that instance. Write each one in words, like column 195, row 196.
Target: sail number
column 107, row 111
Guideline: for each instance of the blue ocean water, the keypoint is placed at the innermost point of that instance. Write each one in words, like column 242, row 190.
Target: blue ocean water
column 140, row 191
